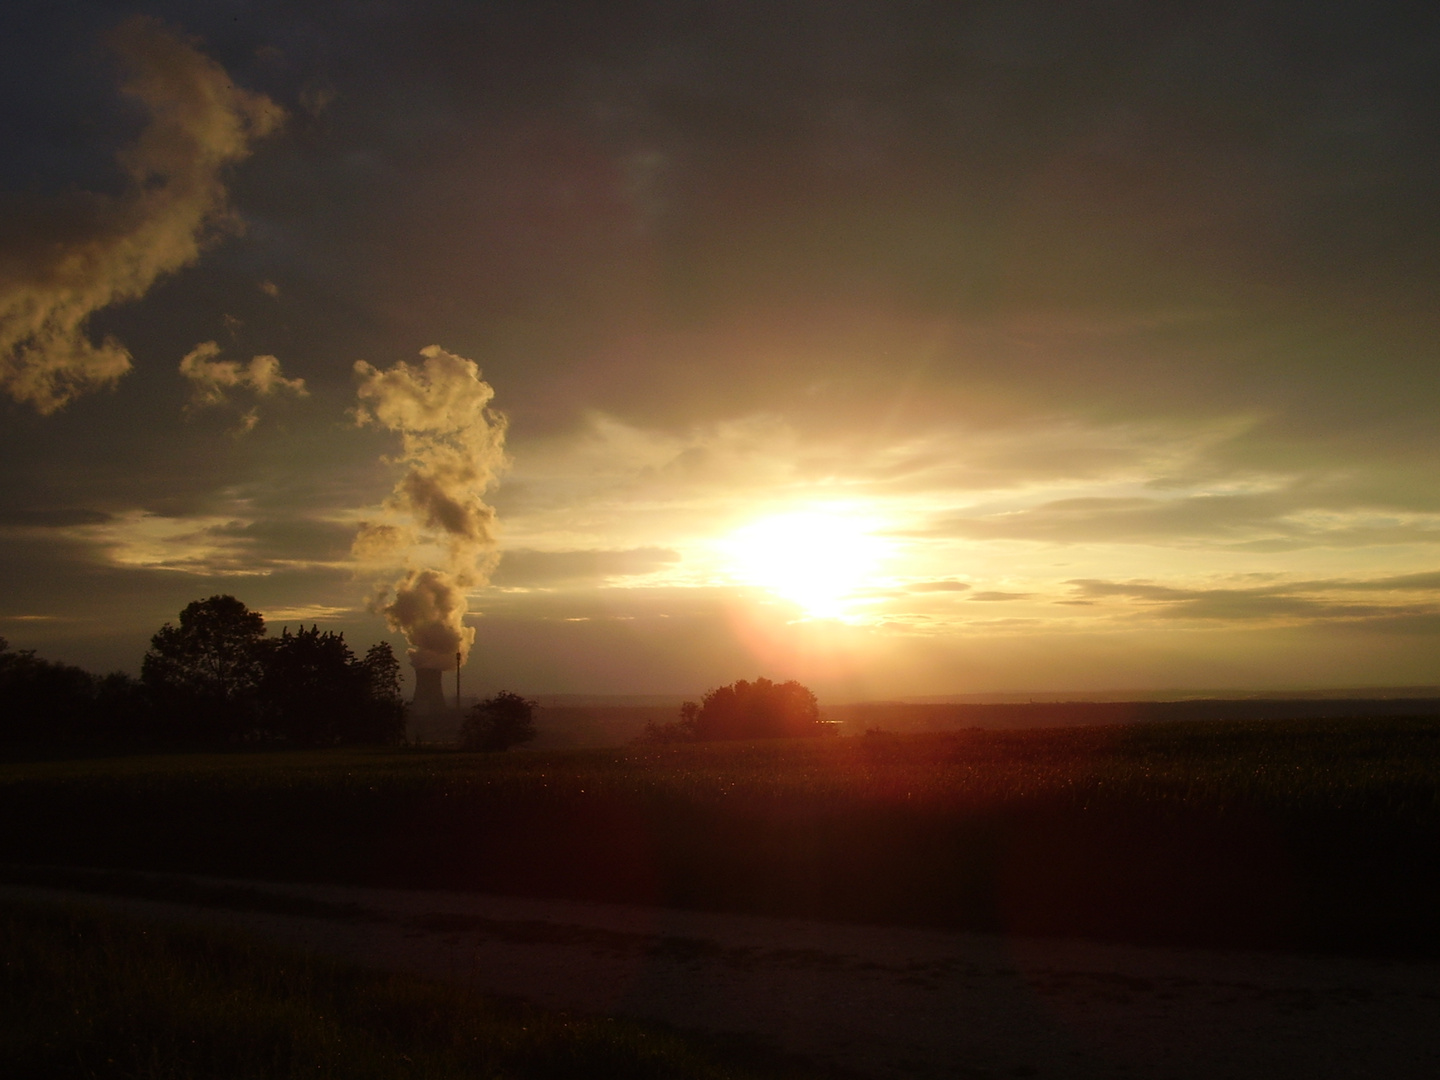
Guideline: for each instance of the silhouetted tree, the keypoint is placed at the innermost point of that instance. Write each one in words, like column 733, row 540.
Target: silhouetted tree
column 498, row 723
column 123, row 713
column 384, row 718
column 41, row 701
column 314, row 692
column 217, row 677
column 214, row 678
column 310, row 685
column 204, row 675
column 47, row 703
column 744, row 710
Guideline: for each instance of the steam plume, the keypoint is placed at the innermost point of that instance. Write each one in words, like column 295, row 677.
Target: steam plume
column 66, row 258
column 436, row 523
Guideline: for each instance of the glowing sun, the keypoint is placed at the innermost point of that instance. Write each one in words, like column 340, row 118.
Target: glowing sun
column 813, row 558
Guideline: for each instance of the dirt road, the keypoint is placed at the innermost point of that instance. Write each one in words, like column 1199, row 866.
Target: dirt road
column 886, row 1002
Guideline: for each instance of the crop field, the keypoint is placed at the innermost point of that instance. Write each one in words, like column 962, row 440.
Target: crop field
column 87, row 994
column 1311, row 834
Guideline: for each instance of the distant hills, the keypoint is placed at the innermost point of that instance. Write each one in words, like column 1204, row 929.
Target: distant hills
column 1355, row 693
column 580, row 720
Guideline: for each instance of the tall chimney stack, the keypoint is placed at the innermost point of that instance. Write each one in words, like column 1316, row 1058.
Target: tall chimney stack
column 457, row 680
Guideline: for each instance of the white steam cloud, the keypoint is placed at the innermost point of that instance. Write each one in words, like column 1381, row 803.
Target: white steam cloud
column 436, row 524
column 64, row 258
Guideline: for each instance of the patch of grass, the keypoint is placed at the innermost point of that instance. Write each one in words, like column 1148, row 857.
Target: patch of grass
column 84, row 994
column 176, row 890
column 1314, row 834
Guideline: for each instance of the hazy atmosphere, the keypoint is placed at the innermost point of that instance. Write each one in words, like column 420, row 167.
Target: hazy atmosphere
column 900, row 348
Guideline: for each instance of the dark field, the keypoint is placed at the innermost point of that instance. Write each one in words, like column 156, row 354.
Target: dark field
column 1012, row 716
column 84, row 994
column 1309, row 834
column 570, row 726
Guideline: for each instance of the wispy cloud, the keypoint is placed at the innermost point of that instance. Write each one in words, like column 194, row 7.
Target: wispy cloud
column 212, row 380
column 70, row 256
column 945, row 585
column 1284, row 600
column 1286, row 517
column 545, row 568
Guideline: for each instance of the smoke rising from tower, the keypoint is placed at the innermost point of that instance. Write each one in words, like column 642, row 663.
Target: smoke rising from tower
column 435, row 529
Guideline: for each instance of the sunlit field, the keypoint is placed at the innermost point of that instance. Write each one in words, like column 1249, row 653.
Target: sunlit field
column 1316, row 834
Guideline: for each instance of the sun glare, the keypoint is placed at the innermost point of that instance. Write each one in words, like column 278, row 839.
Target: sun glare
column 815, row 559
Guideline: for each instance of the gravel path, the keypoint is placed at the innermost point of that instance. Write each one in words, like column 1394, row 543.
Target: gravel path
column 887, row 1002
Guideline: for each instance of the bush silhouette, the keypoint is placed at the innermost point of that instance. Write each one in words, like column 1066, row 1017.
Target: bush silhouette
column 498, row 723
column 745, row 710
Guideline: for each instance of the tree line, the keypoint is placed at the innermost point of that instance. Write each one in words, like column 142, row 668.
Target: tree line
column 215, row 679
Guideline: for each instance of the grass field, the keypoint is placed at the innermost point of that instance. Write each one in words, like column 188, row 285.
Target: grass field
column 1315, row 834
column 89, row 995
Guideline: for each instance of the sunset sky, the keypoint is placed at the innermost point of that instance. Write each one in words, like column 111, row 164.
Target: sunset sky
column 902, row 348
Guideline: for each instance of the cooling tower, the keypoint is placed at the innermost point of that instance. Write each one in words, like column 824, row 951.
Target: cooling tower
column 429, row 692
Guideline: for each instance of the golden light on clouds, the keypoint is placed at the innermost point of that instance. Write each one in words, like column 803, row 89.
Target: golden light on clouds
column 817, row 559
column 787, row 398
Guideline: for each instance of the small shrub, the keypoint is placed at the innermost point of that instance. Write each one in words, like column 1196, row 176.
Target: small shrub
column 498, row 723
